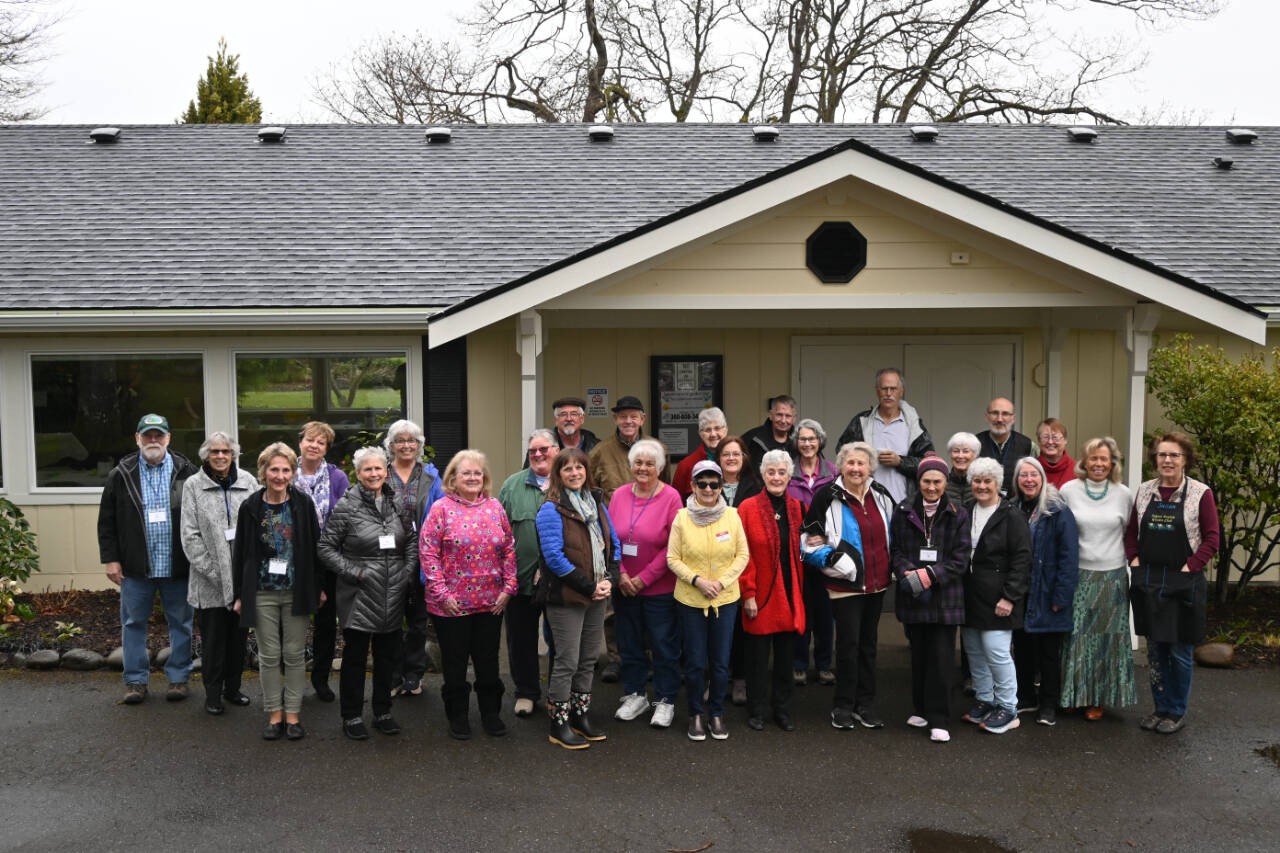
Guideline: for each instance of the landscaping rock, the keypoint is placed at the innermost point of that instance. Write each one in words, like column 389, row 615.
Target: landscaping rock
column 162, row 657
column 1221, row 655
column 19, row 660
column 43, row 659
column 115, row 660
column 83, row 660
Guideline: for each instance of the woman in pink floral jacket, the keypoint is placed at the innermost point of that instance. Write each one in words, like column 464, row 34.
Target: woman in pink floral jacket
column 469, row 568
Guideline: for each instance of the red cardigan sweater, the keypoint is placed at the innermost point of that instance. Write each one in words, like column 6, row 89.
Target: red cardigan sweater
column 762, row 578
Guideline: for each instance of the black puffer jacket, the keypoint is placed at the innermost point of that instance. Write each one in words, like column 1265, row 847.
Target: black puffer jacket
column 372, row 580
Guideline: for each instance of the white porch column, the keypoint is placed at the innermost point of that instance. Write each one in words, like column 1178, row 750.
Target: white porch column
column 529, row 346
column 1057, row 339
column 1140, row 322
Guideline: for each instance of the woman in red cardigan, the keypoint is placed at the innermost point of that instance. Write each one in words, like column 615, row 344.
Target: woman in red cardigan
column 772, row 590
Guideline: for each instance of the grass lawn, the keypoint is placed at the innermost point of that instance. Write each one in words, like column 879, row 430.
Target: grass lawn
column 367, row 398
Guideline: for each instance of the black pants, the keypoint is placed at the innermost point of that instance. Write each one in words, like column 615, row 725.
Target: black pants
column 739, row 666
column 355, row 647
column 857, row 633
column 222, row 643
column 522, row 646
column 933, row 663
column 757, row 648
column 1042, row 653
column 412, row 663
column 475, row 636
column 325, row 637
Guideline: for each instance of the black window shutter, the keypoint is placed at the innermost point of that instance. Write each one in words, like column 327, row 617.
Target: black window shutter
column 445, row 392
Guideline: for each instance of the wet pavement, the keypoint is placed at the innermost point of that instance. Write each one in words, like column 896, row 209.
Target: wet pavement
column 82, row 772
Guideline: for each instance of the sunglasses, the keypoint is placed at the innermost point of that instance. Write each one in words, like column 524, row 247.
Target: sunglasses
column 708, row 484
column 219, row 451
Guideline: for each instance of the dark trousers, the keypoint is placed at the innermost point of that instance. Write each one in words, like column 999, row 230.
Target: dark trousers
column 758, row 646
column 1038, row 653
column 355, row 648
column 707, row 640
column 474, row 637
column 522, row 646
column 738, row 664
column 857, row 631
column 325, row 637
column 933, row 663
column 412, row 664
column 222, row 643
column 818, row 624
column 657, row 617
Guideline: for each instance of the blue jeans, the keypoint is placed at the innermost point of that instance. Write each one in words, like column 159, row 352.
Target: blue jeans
column 994, row 678
column 633, row 615
column 1170, row 676
column 708, row 640
column 137, row 597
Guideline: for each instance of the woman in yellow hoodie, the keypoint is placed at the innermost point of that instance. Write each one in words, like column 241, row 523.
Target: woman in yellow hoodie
column 707, row 552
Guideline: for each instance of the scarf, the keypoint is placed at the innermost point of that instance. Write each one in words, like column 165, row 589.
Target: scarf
column 1028, row 506
column 931, row 508
column 586, row 506
column 1061, row 471
column 316, row 486
column 225, row 481
column 704, row 515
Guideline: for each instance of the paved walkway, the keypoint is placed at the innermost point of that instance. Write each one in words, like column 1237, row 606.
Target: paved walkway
column 82, row 772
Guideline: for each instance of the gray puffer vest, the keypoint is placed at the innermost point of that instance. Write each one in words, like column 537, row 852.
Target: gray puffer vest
column 372, row 580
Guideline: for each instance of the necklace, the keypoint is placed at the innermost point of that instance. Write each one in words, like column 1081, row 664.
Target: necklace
column 1106, row 484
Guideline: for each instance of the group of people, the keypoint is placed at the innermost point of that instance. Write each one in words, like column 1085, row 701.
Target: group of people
column 722, row 575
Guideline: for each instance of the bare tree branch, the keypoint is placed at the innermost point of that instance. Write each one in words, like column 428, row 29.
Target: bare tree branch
column 25, row 26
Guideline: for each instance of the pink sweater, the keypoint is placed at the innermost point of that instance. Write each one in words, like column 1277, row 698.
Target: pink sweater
column 646, row 525
column 468, row 554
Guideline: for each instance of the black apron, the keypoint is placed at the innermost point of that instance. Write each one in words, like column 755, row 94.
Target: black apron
column 1169, row 605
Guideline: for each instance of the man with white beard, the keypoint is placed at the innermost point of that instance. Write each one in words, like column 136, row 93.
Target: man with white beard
column 570, row 414
column 138, row 525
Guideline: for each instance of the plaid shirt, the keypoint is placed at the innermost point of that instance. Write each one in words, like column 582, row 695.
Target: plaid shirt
column 155, row 496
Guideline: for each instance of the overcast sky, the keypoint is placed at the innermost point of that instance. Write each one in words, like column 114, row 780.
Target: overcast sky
column 137, row 61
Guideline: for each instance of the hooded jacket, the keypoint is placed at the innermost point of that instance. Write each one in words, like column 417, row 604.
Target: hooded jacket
column 840, row 559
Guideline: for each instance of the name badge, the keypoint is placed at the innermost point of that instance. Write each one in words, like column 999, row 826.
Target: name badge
column 387, row 543
column 278, row 567
column 723, row 536
column 229, row 534
column 928, row 555
column 157, row 516
column 630, row 550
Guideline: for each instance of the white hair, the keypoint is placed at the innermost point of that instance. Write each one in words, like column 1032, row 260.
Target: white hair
column 1049, row 500
column 855, row 447
column 985, row 467
column 778, row 457
column 810, row 423
column 219, row 437
column 542, row 432
column 364, row 454
column 710, row 416
column 401, row 427
column 651, row 450
column 964, row 439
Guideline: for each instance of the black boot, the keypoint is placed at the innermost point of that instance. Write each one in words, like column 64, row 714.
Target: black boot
column 580, row 720
column 562, row 734
column 489, row 697
column 457, row 705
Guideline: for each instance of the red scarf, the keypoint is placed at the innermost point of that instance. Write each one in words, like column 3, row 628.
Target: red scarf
column 1061, row 472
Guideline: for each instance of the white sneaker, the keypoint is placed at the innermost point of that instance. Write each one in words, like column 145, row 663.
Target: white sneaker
column 663, row 713
column 917, row 722
column 631, row 706
column 939, row 735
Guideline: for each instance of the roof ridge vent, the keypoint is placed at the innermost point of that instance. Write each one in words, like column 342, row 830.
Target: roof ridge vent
column 1241, row 136
column 271, row 134
column 104, row 135
column 600, row 133
column 1223, row 163
column 439, row 135
column 1082, row 134
column 924, row 133
column 765, row 133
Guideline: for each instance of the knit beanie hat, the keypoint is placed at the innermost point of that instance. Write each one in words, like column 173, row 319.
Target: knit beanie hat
column 932, row 462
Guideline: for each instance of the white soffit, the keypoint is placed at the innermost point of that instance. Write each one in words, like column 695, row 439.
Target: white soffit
column 705, row 224
column 213, row 319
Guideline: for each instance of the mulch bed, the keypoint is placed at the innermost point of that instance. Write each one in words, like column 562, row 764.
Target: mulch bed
column 1252, row 624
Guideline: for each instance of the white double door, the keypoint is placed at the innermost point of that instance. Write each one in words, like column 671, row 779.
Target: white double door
column 949, row 383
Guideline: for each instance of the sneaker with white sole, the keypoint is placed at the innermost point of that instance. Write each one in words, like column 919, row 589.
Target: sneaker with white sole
column 663, row 713
column 939, row 735
column 917, row 722
column 1000, row 721
column 631, row 706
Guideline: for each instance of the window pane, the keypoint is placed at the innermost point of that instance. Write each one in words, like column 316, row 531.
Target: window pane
column 275, row 395
column 87, row 409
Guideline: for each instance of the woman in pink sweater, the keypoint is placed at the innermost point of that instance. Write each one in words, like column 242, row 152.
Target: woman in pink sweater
column 469, row 568
column 642, row 512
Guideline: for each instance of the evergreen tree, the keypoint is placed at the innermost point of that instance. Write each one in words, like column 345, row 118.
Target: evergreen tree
column 222, row 95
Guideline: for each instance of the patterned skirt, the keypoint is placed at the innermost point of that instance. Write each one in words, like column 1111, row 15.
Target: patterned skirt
column 1097, row 661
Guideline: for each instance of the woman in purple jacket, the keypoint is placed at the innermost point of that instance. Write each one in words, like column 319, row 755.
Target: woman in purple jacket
column 811, row 474
column 324, row 483
column 642, row 512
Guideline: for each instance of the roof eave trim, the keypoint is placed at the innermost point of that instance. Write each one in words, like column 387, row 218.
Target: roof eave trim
column 106, row 320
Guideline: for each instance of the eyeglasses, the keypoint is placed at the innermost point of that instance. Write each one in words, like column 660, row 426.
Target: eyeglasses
column 219, row 451
column 996, row 414
column 403, row 441
column 1168, row 455
column 1052, row 438
column 708, row 484
column 539, row 451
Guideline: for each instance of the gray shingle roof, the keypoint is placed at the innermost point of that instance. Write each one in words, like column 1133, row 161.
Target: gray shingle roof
column 205, row 216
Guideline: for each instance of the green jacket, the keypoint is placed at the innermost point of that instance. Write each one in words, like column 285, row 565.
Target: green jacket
column 521, row 498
